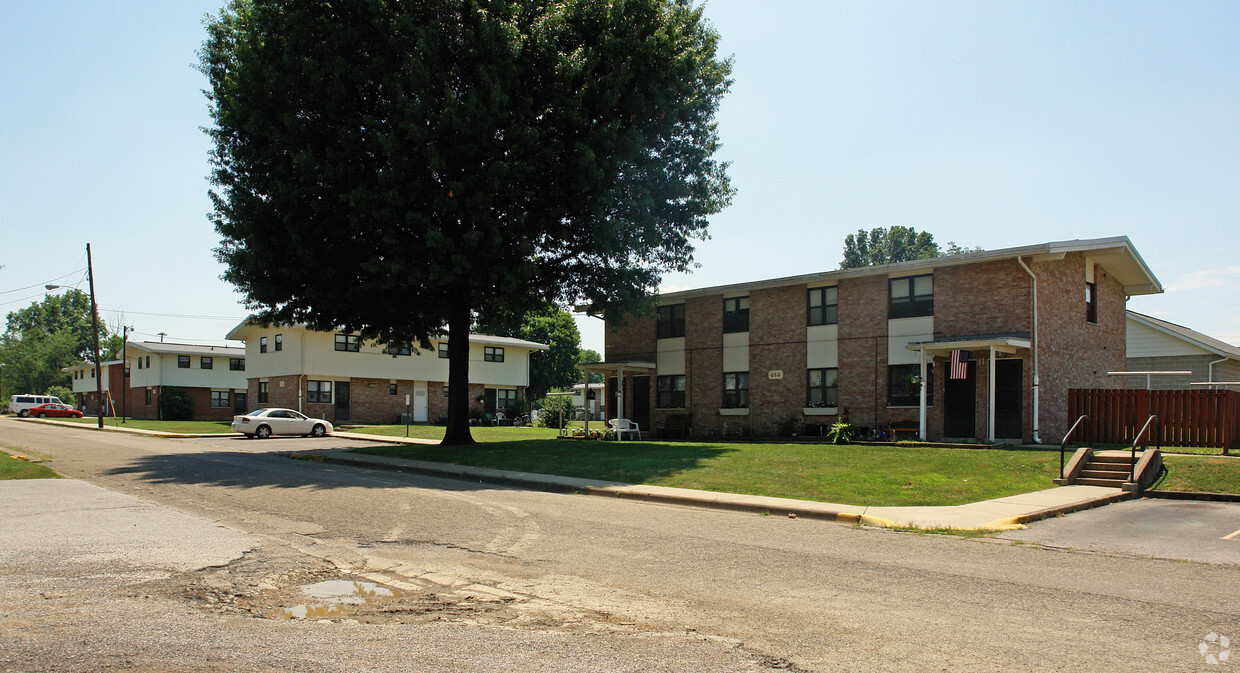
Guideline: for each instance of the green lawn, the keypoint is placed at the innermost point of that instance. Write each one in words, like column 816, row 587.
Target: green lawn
column 190, row 427
column 12, row 468
column 855, row 475
column 1201, row 474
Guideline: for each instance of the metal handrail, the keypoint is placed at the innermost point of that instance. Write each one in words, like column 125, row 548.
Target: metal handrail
column 1065, row 442
column 1132, row 471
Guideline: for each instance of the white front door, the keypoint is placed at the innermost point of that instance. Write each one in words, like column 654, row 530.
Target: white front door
column 419, row 402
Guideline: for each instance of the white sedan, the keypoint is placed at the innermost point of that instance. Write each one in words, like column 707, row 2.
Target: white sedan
column 263, row 423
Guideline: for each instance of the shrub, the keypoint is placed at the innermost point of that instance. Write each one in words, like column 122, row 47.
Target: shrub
column 175, row 404
column 65, row 394
column 842, row 432
column 552, row 407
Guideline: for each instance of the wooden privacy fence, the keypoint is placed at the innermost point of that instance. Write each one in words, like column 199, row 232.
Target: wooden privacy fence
column 1209, row 418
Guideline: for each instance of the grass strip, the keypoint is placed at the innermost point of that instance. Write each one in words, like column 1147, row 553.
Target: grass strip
column 15, row 468
column 186, row 427
column 1201, row 474
column 857, row 475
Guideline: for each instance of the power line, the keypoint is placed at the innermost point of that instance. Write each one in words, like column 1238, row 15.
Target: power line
column 175, row 315
column 47, row 282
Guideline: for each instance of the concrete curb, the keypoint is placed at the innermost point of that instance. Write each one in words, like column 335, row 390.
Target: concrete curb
column 1018, row 522
column 132, row 431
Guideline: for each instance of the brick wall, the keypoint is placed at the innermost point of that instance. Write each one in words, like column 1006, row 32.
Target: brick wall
column 776, row 343
column 974, row 299
column 1074, row 353
column 704, row 363
column 630, row 338
column 863, row 350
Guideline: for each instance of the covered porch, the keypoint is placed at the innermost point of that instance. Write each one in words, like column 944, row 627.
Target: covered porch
column 624, row 399
column 1001, row 399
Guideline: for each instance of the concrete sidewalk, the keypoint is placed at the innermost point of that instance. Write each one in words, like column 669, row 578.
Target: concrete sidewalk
column 999, row 514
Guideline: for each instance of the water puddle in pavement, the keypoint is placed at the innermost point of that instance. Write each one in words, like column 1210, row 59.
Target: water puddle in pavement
column 336, row 598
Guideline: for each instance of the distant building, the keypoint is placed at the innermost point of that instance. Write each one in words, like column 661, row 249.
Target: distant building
column 1158, row 345
column 214, row 377
column 340, row 377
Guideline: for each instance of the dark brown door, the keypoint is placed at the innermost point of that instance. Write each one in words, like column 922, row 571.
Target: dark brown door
column 1009, row 399
column 960, row 403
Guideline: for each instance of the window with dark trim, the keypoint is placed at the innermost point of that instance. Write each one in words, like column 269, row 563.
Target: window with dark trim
column 319, row 392
column 823, row 306
column 279, row 342
column 262, row 392
column 126, row 374
column 493, row 354
column 910, row 297
column 205, row 362
column 823, row 388
column 219, row 399
column 1091, row 303
column 236, row 364
column 903, row 388
column 182, row 362
column 139, row 363
column 670, row 322
column 443, row 350
column 262, row 344
column 148, row 361
column 391, row 388
column 398, row 349
column 445, row 390
column 736, row 390
column 505, row 399
column 350, row 343
column 148, row 397
column 735, row 315
column 669, row 392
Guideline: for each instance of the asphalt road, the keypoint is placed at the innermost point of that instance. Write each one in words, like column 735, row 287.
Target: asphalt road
column 508, row 579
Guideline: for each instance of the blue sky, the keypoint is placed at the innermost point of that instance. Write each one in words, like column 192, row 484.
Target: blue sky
column 988, row 124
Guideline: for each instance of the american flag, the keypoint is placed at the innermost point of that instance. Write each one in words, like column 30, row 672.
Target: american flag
column 960, row 365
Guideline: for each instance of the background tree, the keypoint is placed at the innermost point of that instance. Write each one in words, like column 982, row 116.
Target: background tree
column 44, row 337
column 554, row 367
column 586, row 355
column 897, row 244
column 885, row 246
column 400, row 168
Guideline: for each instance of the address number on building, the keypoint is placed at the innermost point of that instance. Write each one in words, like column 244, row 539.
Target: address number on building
column 775, row 374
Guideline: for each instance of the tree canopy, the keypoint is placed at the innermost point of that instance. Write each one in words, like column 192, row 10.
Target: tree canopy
column 400, row 168
column 44, row 337
column 897, row 244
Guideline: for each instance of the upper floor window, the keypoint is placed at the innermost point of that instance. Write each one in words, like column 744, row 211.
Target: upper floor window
column 236, row 364
column 262, row 344
column 736, row 390
column 183, row 362
column 910, row 297
column 206, row 363
column 348, row 342
column 139, row 363
column 1091, row 302
column 148, row 361
column 395, row 349
column 279, row 342
column 735, row 314
column 823, row 389
column 670, row 392
column 443, row 350
column 670, row 322
column 824, row 306
column 493, row 354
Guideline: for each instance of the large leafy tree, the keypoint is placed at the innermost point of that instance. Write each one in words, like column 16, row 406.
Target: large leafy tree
column 403, row 167
column 44, row 337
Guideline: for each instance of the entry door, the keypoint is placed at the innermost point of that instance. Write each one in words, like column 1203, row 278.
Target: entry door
column 960, row 403
column 641, row 402
column 1009, row 399
column 419, row 402
column 342, row 401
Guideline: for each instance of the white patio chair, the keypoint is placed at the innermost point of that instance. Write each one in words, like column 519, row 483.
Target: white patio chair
column 623, row 426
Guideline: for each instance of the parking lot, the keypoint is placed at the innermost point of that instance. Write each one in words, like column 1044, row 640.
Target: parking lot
column 1207, row 532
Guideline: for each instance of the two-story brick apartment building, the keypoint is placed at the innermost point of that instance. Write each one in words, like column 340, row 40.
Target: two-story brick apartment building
column 214, row 377
column 1028, row 323
column 344, row 379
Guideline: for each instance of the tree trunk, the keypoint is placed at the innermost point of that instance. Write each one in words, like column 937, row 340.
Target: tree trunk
column 457, row 432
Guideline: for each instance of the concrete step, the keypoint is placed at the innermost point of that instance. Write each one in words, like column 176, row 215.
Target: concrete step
column 1109, row 483
column 1090, row 473
column 1113, row 457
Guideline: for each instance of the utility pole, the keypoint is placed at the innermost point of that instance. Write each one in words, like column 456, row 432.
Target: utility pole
column 94, row 323
column 125, row 330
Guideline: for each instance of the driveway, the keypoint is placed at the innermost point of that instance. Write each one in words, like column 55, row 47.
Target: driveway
column 1207, row 532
